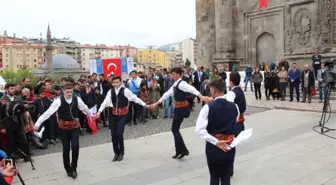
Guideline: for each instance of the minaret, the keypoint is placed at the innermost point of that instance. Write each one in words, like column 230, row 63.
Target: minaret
column 49, row 49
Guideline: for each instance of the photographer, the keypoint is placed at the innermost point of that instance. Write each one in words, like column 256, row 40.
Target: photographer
column 11, row 126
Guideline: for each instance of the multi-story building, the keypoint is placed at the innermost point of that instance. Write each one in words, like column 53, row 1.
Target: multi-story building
column 90, row 52
column 175, row 58
column 19, row 55
column 5, row 39
column 154, row 58
column 171, row 47
column 188, row 48
column 68, row 47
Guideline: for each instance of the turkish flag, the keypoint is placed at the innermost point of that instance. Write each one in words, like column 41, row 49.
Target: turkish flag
column 263, row 4
column 112, row 66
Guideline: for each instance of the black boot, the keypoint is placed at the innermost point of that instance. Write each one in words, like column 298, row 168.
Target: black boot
column 184, row 153
column 177, row 154
column 74, row 174
column 115, row 158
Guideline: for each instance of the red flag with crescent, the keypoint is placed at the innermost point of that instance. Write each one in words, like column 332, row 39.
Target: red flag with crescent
column 112, row 66
column 263, row 4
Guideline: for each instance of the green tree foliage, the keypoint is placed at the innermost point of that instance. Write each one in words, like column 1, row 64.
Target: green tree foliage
column 16, row 77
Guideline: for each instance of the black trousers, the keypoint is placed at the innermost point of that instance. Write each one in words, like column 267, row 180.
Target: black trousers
column 268, row 90
column 133, row 112
column 70, row 137
column 257, row 91
column 50, row 128
column 283, row 86
column 15, row 138
column 219, row 164
column 178, row 118
column 291, row 91
column 117, row 126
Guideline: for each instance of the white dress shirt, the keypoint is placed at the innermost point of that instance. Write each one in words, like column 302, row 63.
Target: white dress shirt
column 127, row 93
column 231, row 96
column 184, row 86
column 56, row 104
column 202, row 123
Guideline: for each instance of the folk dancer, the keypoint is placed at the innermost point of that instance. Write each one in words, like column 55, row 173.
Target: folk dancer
column 216, row 124
column 237, row 96
column 119, row 98
column 180, row 90
column 68, row 107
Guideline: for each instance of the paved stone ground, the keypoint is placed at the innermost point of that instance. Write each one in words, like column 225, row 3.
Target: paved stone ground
column 277, row 104
column 133, row 132
column 282, row 151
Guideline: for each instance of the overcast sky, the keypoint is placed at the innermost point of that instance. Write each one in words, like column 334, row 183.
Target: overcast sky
column 140, row 23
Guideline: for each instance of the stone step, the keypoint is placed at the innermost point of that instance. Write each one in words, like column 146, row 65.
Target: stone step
column 332, row 94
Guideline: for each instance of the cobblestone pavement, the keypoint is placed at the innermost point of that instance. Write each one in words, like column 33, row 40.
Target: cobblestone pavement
column 133, row 132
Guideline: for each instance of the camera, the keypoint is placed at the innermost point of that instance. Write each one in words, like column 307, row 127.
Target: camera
column 331, row 73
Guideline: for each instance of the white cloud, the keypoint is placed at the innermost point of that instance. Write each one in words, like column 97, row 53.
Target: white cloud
column 115, row 22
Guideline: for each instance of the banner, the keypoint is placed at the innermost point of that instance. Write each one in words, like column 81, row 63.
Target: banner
column 99, row 63
column 93, row 67
column 263, row 4
column 112, row 66
column 130, row 64
column 124, row 68
column 2, row 84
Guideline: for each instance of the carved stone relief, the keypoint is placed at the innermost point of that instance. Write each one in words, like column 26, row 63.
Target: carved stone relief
column 333, row 22
column 323, row 32
column 300, row 31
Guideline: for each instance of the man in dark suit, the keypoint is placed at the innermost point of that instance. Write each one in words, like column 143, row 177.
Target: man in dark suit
column 308, row 81
column 198, row 79
column 294, row 81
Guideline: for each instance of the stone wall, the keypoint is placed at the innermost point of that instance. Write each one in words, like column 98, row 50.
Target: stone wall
column 289, row 28
column 205, row 31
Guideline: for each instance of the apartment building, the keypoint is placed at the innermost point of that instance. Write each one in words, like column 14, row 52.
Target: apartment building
column 22, row 55
column 154, row 58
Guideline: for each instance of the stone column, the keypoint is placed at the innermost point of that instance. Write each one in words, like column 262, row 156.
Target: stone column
column 205, row 32
column 224, row 22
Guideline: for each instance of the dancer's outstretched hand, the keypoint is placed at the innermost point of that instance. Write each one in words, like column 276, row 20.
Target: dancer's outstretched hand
column 98, row 115
column 36, row 128
column 206, row 99
column 152, row 106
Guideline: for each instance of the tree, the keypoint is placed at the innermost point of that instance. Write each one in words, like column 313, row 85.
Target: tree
column 187, row 63
column 16, row 77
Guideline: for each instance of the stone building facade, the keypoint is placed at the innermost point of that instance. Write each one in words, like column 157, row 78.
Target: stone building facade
column 239, row 32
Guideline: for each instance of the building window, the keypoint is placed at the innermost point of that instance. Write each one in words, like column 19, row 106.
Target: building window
column 6, row 55
column 35, row 66
column 34, row 60
column 27, row 55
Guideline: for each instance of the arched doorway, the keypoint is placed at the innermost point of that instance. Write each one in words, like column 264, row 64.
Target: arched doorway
column 266, row 48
